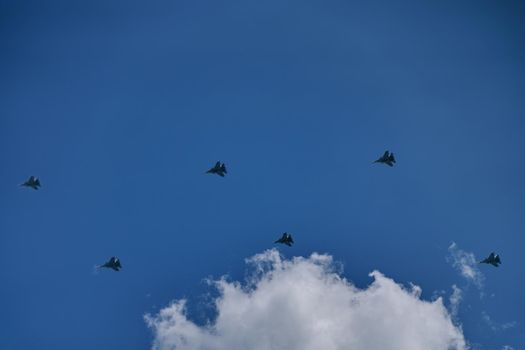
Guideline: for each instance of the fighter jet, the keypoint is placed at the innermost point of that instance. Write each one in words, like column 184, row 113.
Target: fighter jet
column 112, row 263
column 387, row 158
column 219, row 169
column 285, row 239
column 32, row 182
column 492, row 259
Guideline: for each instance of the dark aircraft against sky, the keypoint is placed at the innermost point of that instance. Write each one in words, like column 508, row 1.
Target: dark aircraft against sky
column 112, row 263
column 492, row 259
column 32, row 182
column 285, row 239
column 219, row 169
column 387, row 158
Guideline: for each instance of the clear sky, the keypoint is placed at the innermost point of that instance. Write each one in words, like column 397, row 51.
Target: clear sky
column 120, row 106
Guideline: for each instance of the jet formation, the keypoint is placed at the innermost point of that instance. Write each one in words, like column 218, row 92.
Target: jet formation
column 219, row 169
column 32, row 182
column 492, row 259
column 285, row 239
column 112, row 263
column 387, row 158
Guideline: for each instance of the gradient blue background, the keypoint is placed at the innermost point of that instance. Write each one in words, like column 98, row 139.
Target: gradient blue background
column 120, row 106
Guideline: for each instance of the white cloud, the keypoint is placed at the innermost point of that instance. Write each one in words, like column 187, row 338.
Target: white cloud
column 304, row 304
column 507, row 347
column 455, row 300
column 437, row 294
column 466, row 265
column 508, row 325
column 496, row 326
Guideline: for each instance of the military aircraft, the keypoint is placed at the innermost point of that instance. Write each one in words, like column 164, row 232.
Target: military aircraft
column 32, row 182
column 285, row 239
column 492, row 259
column 219, row 169
column 387, row 158
column 112, row 263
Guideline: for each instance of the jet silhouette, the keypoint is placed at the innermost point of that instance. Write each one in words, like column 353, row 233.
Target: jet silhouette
column 492, row 259
column 112, row 263
column 32, row 182
column 387, row 158
column 219, row 169
column 285, row 239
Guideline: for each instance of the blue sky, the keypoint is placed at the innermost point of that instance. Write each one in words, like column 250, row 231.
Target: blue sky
column 119, row 107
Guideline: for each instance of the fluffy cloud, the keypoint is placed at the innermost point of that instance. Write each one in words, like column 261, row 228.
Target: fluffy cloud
column 466, row 265
column 303, row 304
